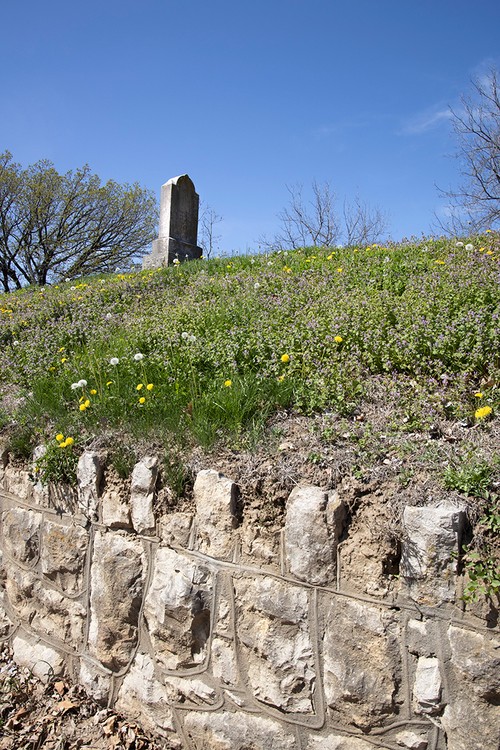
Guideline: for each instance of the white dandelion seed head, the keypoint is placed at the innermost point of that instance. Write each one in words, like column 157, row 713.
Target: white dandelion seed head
column 192, row 339
column 459, row 244
column 114, row 361
column 138, row 357
column 74, row 386
column 82, row 383
column 184, row 335
column 469, row 247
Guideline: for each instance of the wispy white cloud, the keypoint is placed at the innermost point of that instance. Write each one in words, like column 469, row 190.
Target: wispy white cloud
column 424, row 121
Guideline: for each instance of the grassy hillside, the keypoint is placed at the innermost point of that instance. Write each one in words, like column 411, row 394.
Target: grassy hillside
column 381, row 350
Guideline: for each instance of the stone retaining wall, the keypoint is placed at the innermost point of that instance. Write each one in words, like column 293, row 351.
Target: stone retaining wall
column 210, row 640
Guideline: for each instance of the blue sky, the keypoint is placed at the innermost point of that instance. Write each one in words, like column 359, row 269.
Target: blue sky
column 248, row 97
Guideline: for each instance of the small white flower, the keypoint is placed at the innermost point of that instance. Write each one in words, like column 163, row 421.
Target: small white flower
column 459, row 244
column 138, row 357
column 108, row 316
column 184, row 335
column 176, row 261
column 114, row 361
column 15, row 343
column 82, row 383
column 256, row 285
column 74, row 386
column 269, row 263
column 469, row 247
column 72, row 288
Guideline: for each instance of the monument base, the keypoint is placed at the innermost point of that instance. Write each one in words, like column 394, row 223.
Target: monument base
column 168, row 249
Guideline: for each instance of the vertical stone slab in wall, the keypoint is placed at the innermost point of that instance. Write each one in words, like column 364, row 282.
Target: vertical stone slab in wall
column 427, row 688
column 63, row 555
column 429, row 552
column 21, row 535
column 89, row 476
column 44, row 661
column 117, row 581
column 313, row 525
column 274, row 637
column 177, row 609
column 472, row 717
column 362, row 663
column 216, row 513
column 142, row 492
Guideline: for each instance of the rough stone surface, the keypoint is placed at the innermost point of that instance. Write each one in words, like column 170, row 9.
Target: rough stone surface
column 237, row 731
column 89, row 475
column 141, row 693
column 216, row 513
column 313, row 525
column 427, row 687
column 63, row 555
column 175, row 529
column 274, row 634
column 142, row 493
column 115, row 508
column 412, row 740
column 337, row 742
column 431, row 542
column 21, row 533
column 177, row 609
column 44, row 662
column 116, row 595
column 476, row 661
column 361, row 662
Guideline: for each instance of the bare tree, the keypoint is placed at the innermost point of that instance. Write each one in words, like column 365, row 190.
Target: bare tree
column 475, row 204
column 54, row 226
column 318, row 224
column 209, row 240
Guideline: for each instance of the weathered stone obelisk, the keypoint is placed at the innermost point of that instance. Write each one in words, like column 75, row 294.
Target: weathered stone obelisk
column 178, row 233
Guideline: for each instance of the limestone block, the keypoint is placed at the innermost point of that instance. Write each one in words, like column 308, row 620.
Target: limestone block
column 427, row 686
column 223, row 661
column 313, row 525
column 273, row 632
column 193, row 689
column 142, row 493
column 21, row 532
column 430, row 546
column 89, row 476
column 142, row 695
column 337, row 742
column 237, row 731
column 216, row 514
column 17, row 482
column 5, row 623
column 175, row 529
column 411, row 740
column 422, row 637
column 63, row 555
column 177, row 609
column 43, row 661
column 115, row 507
column 362, row 664
column 96, row 682
column 476, row 662
column 470, row 722
column 117, row 582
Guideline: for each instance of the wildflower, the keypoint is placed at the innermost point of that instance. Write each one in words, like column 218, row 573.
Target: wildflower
column 280, row 378
column 478, row 394
column 87, row 403
column 339, row 270
column 149, row 387
column 488, row 231
column 74, row 386
column 489, row 252
column 59, row 437
column 69, row 441
column 61, row 349
column 142, row 400
column 82, row 407
column 176, row 261
column 62, row 445
column 228, row 383
column 93, row 392
column 82, row 383
column 459, row 244
column 483, row 412
column 439, row 262
column 139, row 386
column 285, row 358
column 184, row 335
column 338, row 339
column 256, row 285
column 114, row 361
column 138, row 357
column 469, row 247
column 63, row 360
column 192, row 339
column 15, row 343
column 109, row 382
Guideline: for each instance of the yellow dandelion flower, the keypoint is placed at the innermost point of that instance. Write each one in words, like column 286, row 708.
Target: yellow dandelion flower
column 62, row 349
column 285, row 358
column 338, row 339
column 87, row 403
column 483, row 412
column 59, row 437
column 489, row 252
column 82, row 407
column 69, row 441
column 93, row 392
column 110, row 382
column 149, row 387
column 478, row 394
column 63, row 360
column 439, row 262
column 339, row 270
column 280, row 378
column 62, row 445
column 142, row 400
column 139, row 386
column 228, row 383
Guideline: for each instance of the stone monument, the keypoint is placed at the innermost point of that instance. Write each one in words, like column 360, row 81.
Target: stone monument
column 178, row 233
